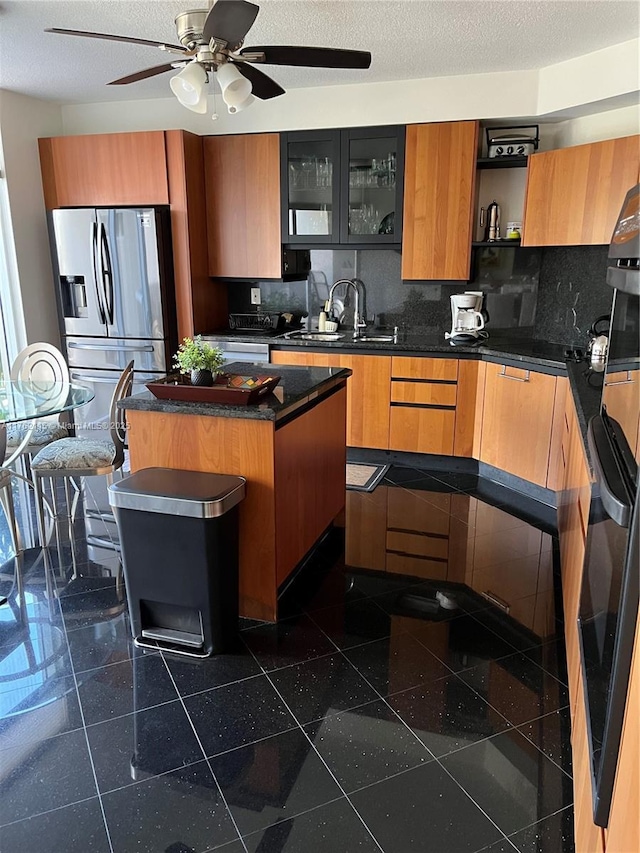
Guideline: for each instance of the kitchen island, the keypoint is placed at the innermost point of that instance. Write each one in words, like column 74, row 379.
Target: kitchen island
column 291, row 448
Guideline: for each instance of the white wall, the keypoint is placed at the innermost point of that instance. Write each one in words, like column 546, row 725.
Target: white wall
column 22, row 121
column 595, row 128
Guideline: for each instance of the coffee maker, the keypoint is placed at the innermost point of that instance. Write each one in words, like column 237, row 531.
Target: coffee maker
column 467, row 319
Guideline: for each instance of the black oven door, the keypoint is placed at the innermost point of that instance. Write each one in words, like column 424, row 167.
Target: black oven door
column 608, row 605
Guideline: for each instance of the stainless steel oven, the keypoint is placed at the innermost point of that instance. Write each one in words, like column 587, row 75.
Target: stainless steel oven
column 610, row 584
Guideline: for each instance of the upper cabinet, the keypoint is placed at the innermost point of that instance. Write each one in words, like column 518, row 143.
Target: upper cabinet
column 242, row 184
column 574, row 195
column 439, row 180
column 108, row 170
column 342, row 186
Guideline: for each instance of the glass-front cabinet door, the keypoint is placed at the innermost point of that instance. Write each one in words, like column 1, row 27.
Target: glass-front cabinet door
column 372, row 161
column 311, row 187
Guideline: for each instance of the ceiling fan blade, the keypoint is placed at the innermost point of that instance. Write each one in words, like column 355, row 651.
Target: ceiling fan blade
column 142, row 75
column 113, row 38
column 312, row 57
column 230, row 21
column 262, row 86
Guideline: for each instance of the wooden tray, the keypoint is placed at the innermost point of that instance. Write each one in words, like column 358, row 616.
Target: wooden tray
column 233, row 388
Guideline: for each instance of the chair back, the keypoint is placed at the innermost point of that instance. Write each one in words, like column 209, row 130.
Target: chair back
column 40, row 364
column 118, row 424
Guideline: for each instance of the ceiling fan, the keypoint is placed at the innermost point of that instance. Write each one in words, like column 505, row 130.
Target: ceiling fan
column 211, row 41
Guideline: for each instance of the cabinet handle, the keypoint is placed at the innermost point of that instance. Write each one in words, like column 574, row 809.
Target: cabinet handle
column 621, row 381
column 495, row 599
column 503, row 373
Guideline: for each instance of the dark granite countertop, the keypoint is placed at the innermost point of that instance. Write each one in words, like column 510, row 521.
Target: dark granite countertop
column 298, row 387
column 515, row 348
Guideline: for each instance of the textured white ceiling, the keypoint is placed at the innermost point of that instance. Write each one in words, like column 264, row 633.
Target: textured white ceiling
column 408, row 39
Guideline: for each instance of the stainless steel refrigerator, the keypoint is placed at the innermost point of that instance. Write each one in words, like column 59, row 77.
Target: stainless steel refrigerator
column 114, row 275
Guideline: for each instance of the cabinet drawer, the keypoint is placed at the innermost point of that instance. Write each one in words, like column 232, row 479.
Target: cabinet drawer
column 421, row 430
column 445, row 369
column 416, row 544
column 427, row 393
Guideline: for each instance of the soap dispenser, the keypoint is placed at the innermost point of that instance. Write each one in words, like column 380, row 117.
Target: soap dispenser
column 322, row 320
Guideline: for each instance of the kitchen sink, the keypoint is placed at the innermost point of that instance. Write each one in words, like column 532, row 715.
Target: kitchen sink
column 381, row 339
column 319, row 336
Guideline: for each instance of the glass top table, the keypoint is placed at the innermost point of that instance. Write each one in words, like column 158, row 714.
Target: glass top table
column 27, row 401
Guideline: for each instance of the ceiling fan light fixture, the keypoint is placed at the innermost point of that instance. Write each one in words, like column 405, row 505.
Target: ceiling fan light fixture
column 189, row 87
column 236, row 89
column 237, row 108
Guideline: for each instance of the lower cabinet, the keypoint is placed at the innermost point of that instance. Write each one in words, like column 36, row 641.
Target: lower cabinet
column 367, row 392
column 517, row 421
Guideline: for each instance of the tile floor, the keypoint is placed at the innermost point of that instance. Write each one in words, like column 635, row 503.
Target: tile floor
column 413, row 697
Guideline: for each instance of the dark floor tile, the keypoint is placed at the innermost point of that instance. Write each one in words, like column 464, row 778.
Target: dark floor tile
column 504, row 846
column 354, row 623
column 238, row 714
column 551, row 657
column 511, row 780
column 124, row 687
column 196, row 676
column 447, row 715
column 102, row 644
column 337, row 587
column 273, row 780
column 143, row 744
column 324, row 830
column 77, row 828
column 424, row 806
column 552, row 835
column 458, row 480
column 322, row 686
column 517, row 688
column 291, row 641
column 460, row 643
column 552, row 735
column 82, row 609
column 44, row 774
column 399, row 476
column 35, row 709
column 87, row 578
column 178, row 812
column 366, row 745
column 397, row 663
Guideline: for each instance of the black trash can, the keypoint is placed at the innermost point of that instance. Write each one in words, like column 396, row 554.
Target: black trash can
column 179, row 538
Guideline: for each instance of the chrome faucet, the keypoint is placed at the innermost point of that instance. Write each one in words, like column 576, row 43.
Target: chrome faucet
column 358, row 321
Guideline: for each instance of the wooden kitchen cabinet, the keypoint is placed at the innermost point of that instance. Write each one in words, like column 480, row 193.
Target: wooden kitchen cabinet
column 242, row 180
column 104, row 170
column 368, row 392
column 439, row 183
column 574, row 195
column 517, row 421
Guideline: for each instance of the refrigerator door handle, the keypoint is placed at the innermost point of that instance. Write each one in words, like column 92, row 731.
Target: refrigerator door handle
column 118, row 347
column 86, row 378
column 107, row 273
column 96, row 274
column 613, row 492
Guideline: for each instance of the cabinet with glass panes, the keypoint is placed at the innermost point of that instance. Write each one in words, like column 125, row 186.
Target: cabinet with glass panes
column 343, row 186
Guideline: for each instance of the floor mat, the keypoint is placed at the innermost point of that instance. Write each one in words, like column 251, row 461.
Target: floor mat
column 364, row 478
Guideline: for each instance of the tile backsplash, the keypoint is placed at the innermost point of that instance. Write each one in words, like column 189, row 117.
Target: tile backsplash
column 553, row 294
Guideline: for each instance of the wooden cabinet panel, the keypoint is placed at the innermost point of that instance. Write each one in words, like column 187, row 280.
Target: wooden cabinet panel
column 470, row 405
column 623, row 398
column 588, row 836
column 368, row 392
column 556, row 469
column 443, row 369
column 427, row 393
column 623, row 832
column 421, row 430
column 201, row 304
column 242, row 175
column 574, row 194
column 439, row 179
column 407, row 510
column 106, row 169
column 517, row 421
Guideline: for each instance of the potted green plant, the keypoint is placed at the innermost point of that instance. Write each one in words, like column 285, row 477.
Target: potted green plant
column 199, row 359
